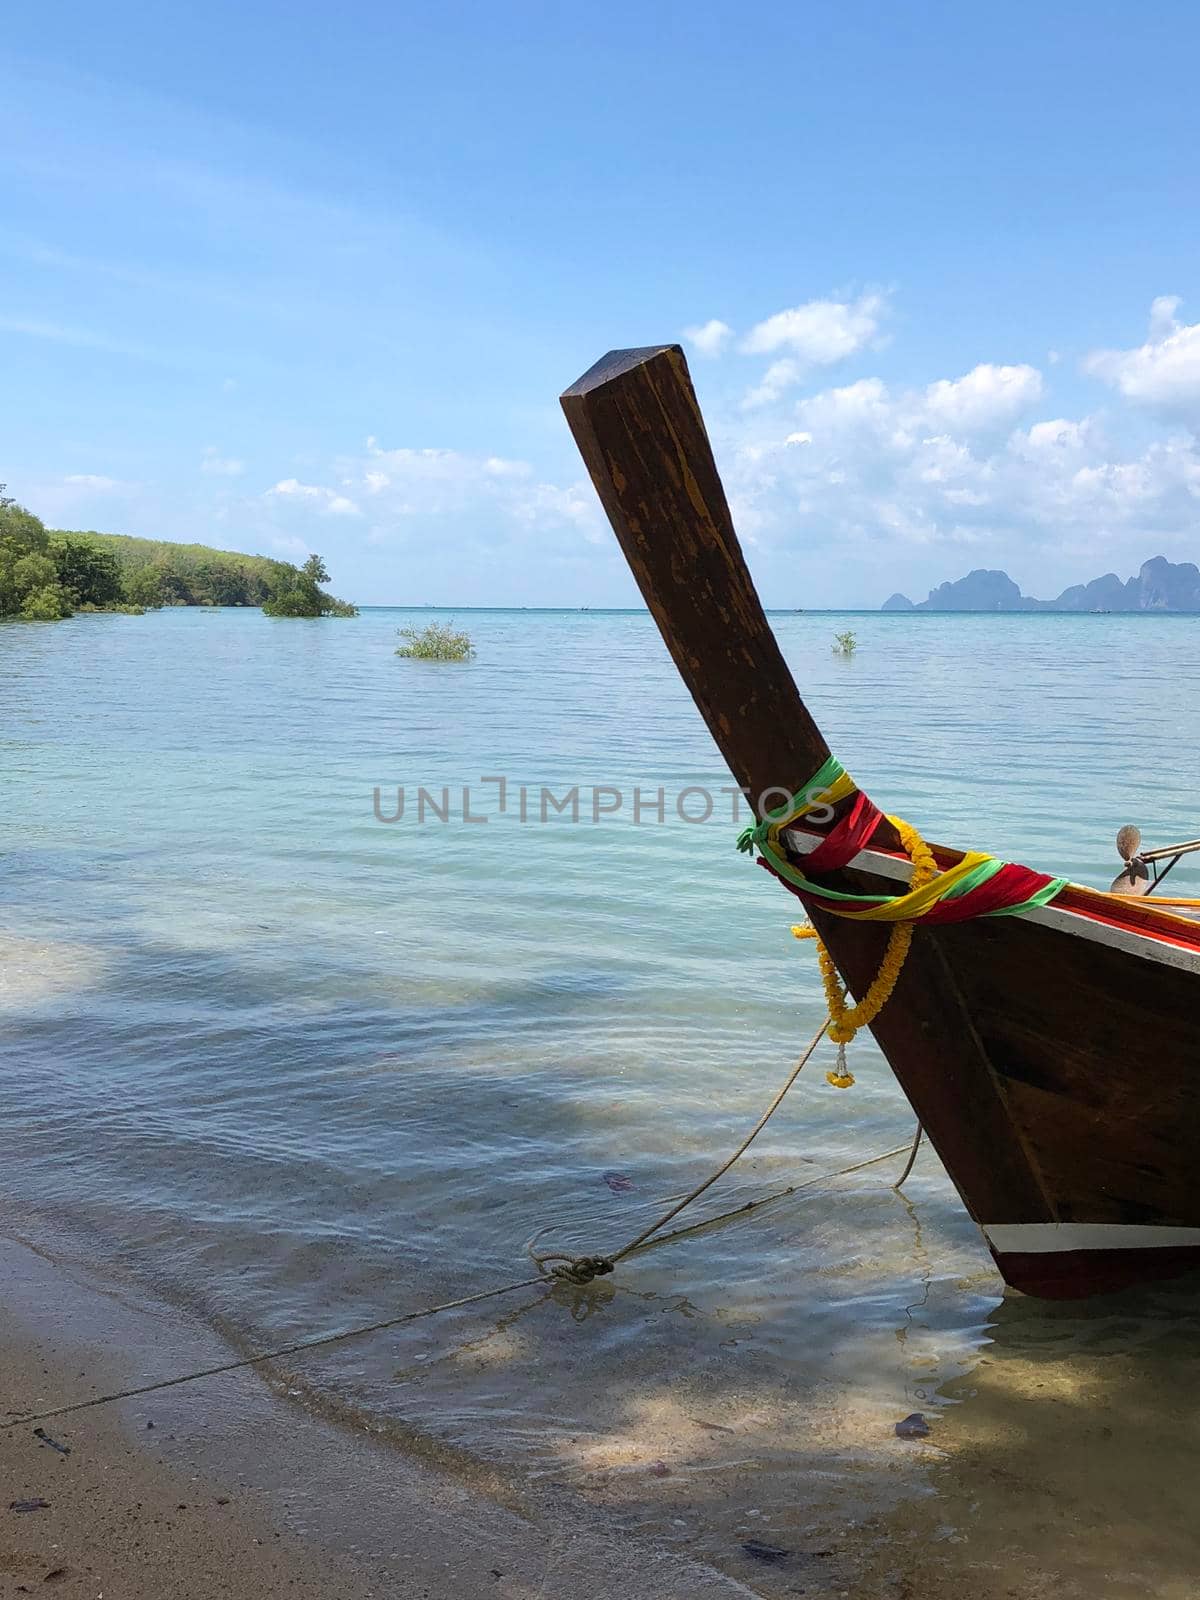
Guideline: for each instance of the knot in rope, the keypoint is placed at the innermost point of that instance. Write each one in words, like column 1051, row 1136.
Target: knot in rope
column 577, row 1270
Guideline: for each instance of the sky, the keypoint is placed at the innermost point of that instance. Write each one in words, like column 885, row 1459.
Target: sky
column 284, row 278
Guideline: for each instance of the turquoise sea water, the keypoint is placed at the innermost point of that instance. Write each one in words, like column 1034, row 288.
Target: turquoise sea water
column 296, row 1067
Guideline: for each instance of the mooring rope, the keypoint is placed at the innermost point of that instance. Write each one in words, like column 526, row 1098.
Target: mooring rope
column 912, row 1157
column 552, row 1279
column 780, row 1194
column 292, row 1349
column 582, row 1269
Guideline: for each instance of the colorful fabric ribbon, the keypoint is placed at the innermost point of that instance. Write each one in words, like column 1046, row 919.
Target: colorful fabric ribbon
column 977, row 886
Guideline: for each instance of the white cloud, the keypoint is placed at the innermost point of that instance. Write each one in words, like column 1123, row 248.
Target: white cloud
column 816, row 334
column 986, row 397
column 470, row 513
column 288, row 545
column 1164, row 373
column 913, row 475
column 859, row 485
column 221, row 466
column 298, row 491
column 484, row 498
column 852, row 406
column 1056, row 440
column 1162, row 315
column 779, row 377
column 57, row 333
column 500, row 468
column 76, row 498
column 327, row 501
column 95, row 481
column 709, row 338
column 819, row 332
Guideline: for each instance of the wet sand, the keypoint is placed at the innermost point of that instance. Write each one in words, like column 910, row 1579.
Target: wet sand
column 1066, row 1462
column 224, row 1488
column 1062, row 1466
column 112, row 1518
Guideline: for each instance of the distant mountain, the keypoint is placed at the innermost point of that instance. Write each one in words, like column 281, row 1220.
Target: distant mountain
column 1160, row 585
column 978, row 591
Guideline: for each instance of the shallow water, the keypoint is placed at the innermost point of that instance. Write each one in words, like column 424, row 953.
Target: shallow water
column 299, row 1068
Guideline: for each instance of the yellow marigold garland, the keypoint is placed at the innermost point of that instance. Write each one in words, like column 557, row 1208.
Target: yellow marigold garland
column 845, row 1021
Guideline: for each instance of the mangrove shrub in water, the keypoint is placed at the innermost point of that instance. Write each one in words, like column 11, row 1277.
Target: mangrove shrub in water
column 305, row 597
column 440, row 641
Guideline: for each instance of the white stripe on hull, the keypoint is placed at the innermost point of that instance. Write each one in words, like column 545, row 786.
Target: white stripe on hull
column 1051, row 916
column 1052, row 1238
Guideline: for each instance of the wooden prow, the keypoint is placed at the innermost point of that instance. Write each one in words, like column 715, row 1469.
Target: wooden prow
column 636, row 420
column 1025, row 1044
column 638, row 427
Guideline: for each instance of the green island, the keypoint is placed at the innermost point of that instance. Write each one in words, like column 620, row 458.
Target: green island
column 47, row 574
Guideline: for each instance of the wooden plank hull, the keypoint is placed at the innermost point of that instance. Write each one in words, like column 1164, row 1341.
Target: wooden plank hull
column 1052, row 1058
column 1056, row 1075
column 1080, row 1274
column 1059, row 1083
column 1099, row 1090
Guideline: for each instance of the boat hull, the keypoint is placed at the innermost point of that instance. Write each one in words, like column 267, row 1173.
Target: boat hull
column 1051, row 1057
column 1079, row 1274
column 1052, row 1060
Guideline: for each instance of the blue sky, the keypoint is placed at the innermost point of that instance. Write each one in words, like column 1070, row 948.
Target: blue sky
column 283, row 278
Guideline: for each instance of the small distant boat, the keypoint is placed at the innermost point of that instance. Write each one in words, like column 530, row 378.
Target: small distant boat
column 1046, row 1035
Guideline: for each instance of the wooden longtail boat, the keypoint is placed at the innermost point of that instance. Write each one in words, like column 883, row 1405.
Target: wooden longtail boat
column 1051, row 1052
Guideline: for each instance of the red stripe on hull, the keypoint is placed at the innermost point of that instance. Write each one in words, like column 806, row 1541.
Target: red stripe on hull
column 1076, row 1274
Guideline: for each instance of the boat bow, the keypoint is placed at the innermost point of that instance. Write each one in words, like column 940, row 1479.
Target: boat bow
column 1049, row 1056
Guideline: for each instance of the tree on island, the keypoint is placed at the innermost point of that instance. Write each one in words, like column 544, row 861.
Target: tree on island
column 29, row 584
column 91, row 576
column 306, row 598
column 47, row 575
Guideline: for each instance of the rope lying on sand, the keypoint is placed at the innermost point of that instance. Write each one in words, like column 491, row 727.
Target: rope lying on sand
column 572, row 1270
column 267, row 1355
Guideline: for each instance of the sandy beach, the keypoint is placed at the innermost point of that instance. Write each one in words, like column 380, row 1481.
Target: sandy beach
column 224, row 1488
column 115, row 1518
column 227, row 1487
